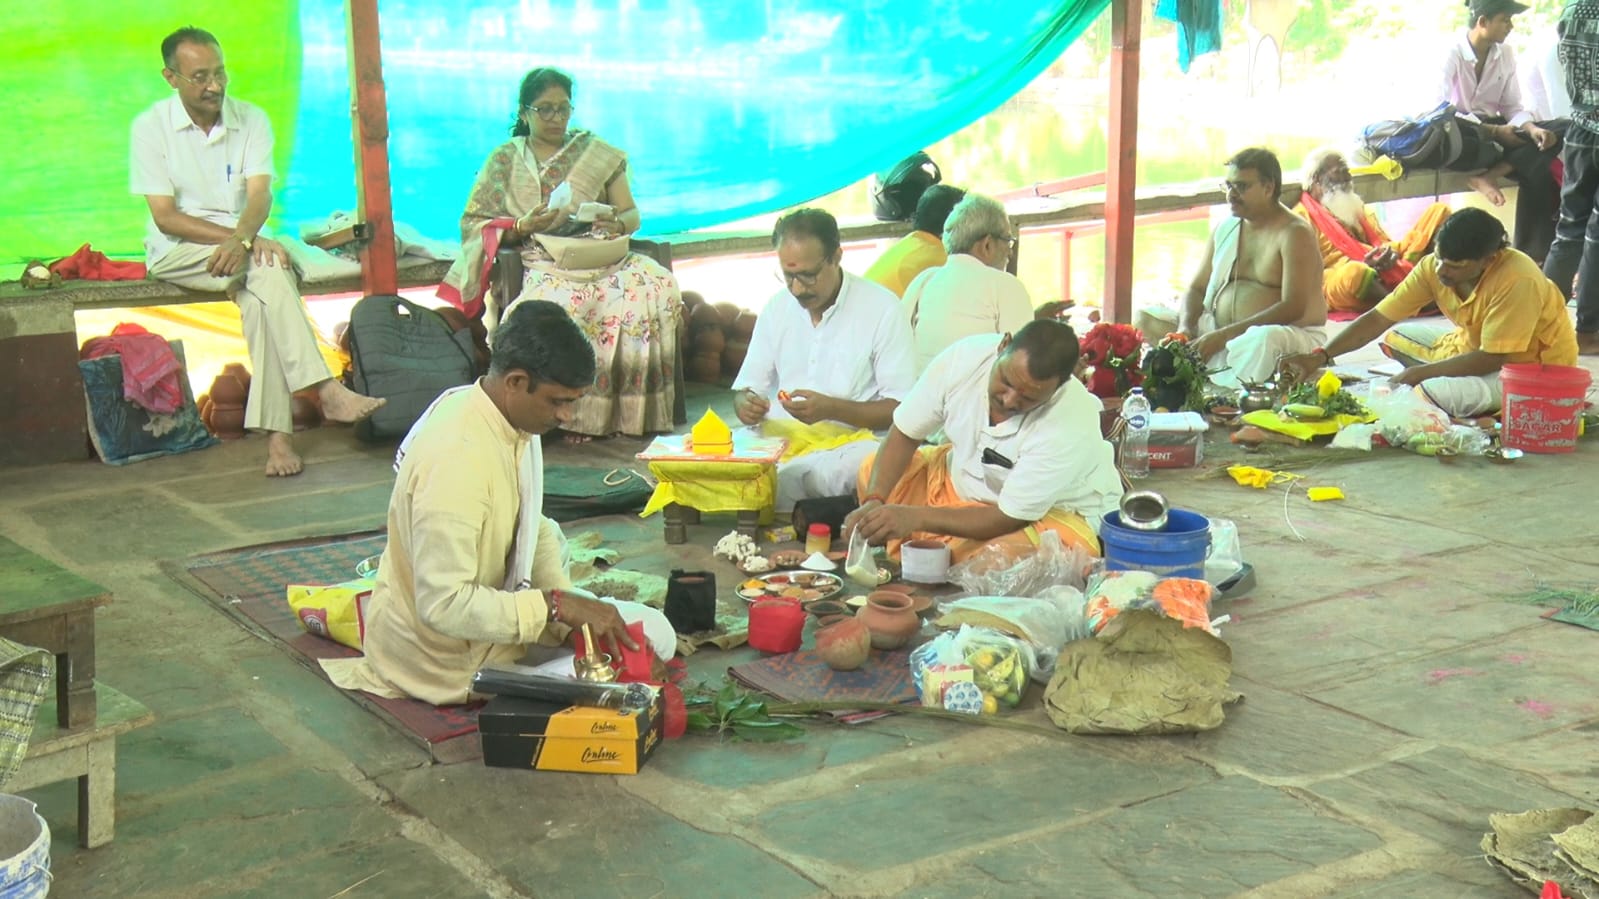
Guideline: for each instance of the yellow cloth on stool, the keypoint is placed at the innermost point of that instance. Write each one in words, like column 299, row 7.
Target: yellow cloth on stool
column 714, row 487
column 803, row 438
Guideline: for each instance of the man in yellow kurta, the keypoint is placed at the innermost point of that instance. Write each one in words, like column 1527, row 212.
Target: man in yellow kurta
column 464, row 582
column 921, row 249
column 1501, row 306
column 1363, row 264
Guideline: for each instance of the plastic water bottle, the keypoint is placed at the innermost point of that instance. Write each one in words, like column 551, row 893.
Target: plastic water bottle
column 1135, row 439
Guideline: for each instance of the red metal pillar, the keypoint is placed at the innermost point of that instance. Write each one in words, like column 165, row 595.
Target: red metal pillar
column 371, row 122
column 1122, row 166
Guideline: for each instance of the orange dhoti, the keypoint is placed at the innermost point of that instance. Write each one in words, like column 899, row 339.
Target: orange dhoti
column 927, row 482
column 1348, row 282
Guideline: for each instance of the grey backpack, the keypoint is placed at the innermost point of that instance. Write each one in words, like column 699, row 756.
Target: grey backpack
column 407, row 355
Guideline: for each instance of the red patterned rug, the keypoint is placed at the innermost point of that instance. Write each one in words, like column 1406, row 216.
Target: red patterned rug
column 803, row 677
column 249, row 583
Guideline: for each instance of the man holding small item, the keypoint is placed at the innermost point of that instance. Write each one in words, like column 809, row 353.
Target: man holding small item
column 829, row 348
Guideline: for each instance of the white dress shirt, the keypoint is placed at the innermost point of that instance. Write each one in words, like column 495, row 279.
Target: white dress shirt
column 204, row 172
column 1543, row 86
column 1059, row 458
column 860, row 351
column 961, row 298
column 1496, row 93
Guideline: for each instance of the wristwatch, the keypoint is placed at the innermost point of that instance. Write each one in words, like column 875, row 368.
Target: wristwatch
column 246, row 242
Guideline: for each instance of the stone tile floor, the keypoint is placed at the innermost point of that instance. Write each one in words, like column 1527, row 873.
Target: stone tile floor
column 1395, row 696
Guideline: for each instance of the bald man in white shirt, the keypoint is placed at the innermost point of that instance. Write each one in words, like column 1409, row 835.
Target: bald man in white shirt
column 203, row 162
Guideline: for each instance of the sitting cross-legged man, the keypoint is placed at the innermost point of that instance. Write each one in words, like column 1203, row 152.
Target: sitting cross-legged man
column 1025, row 452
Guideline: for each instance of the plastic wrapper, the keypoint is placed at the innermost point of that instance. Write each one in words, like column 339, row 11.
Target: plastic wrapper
column 976, row 670
column 1406, row 419
column 1111, row 593
column 1047, row 622
column 997, row 570
column 1226, row 555
column 529, row 683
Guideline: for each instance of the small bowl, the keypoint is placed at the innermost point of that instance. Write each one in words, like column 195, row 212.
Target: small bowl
column 823, row 608
column 1502, row 455
column 1446, row 454
column 788, row 558
column 368, row 567
column 1144, row 510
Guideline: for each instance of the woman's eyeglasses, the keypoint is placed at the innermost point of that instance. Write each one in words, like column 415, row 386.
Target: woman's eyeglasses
column 552, row 113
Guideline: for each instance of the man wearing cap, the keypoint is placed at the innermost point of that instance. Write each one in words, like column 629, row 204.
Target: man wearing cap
column 1575, row 253
column 1479, row 77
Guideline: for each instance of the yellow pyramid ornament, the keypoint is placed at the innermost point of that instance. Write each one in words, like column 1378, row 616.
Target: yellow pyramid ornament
column 711, row 436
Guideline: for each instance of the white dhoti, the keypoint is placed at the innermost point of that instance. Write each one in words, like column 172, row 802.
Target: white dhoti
column 283, row 348
column 1462, row 396
column 829, row 472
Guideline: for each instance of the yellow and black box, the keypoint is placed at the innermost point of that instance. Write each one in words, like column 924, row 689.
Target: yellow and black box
column 524, row 733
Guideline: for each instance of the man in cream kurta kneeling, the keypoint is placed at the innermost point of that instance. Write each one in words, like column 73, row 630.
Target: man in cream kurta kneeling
column 464, row 582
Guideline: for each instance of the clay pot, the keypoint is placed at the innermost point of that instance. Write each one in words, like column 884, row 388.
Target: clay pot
column 744, row 327
column 845, row 644
column 729, row 313
column 891, row 617
column 704, row 368
column 733, row 357
column 710, row 341
column 305, row 412
column 228, row 390
column 703, row 318
column 237, row 370
column 227, row 422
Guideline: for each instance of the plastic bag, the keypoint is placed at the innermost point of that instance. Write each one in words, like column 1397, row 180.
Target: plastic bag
column 337, row 612
column 1404, row 416
column 976, row 670
column 1180, row 598
column 1047, row 622
column 1226, row 555
column 997, row 570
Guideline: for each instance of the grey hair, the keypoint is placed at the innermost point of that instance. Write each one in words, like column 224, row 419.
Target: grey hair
column 1318, row 158
column 974, row 218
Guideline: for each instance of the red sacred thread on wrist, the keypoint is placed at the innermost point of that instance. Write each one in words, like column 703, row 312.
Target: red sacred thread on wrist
column 553, row 599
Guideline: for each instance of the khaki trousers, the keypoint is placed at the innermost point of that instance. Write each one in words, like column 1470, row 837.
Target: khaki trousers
column 283, row 348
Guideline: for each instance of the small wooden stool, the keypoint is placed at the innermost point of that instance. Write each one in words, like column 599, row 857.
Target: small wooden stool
column 743, row 481
column 44, row 605
column 87, row 753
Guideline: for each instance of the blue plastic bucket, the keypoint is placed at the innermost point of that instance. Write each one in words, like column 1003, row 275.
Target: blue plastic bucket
column 1177, row 551
column 24, row 850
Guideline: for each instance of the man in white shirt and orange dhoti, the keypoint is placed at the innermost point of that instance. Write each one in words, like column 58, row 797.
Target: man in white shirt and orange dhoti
column 833, row 352
column 473, row 573
column 203, row 162
column 1025, row 451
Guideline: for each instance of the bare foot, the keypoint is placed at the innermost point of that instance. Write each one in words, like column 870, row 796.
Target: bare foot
column 1588, row 344
column 340, row 403
column 282, row 460
column 1488, row 187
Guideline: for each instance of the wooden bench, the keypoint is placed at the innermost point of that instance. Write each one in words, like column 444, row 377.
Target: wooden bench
column 44, row 605
column 86, row 753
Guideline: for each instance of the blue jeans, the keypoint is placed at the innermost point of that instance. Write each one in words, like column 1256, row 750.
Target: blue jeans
column 1575, row 251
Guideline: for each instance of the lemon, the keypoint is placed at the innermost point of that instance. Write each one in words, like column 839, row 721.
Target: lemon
column 990, row 704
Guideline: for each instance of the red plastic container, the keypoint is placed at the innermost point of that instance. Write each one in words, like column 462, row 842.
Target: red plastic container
column 635, row 664
column 775, row 625
column 1542, row 406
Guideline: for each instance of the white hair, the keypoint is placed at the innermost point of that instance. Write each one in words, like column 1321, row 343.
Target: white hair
column 974, row 218
column 1318, row 158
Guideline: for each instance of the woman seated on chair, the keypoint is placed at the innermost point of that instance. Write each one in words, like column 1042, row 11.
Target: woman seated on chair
column 627, row 304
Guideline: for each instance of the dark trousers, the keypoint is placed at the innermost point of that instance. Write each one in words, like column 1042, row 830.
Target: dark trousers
column 1575, row 252
column 1538, row 200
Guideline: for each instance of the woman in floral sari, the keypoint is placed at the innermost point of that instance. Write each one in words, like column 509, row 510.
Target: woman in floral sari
column 629, row 308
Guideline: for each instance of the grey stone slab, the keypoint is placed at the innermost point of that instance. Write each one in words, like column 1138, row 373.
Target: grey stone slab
column 123, row 526
column 551, row 834
column 1214, row 839
column 1566, row 759
column 1349, row 634
column 332, row 475
column 393, row 869
column 961, row 804
column 1467, row 879
column 1277, row 734
column 1444, row 795
column 312, row 512
column 1528, row 682
column 175, row 752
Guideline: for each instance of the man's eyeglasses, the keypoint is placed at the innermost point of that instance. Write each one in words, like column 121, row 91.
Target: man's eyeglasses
column 552, row 113
column 204, row 79
column 804, row 279
column 1236, row 187
column 1009, row 240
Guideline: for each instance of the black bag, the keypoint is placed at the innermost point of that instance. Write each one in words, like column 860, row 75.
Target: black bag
column 828, row 510
column 407, row 355
column 1429, row 141
column 691, row 601
column 895, row 192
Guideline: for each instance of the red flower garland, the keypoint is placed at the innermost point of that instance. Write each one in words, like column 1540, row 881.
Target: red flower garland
column 1110, row 354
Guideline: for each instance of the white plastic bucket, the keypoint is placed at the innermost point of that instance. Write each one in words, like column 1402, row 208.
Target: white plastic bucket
column 24, row 850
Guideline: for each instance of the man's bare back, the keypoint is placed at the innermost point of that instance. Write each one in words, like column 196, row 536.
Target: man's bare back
column 1256, row 280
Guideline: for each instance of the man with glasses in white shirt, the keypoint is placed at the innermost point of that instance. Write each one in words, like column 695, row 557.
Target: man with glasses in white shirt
column 203, row 162
column 830, row 347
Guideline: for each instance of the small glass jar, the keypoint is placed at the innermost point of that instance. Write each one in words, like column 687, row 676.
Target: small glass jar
column 818, row 538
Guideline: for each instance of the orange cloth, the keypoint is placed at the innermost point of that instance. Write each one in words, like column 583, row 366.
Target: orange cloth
column 927, row 483
column 1348, row 280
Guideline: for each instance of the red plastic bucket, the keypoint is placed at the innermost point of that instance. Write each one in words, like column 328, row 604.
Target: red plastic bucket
column 1542, row 406
column 776, row 624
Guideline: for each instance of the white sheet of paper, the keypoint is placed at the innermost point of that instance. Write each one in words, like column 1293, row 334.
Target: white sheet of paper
column 561, row 196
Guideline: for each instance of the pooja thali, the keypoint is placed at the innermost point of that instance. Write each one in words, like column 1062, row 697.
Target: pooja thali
column 805, row 586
